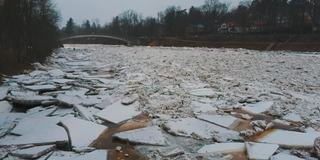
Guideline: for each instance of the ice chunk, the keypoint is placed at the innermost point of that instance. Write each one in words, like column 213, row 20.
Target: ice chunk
column 221, row 120
column 259, row 107
column 106, row 102
column 30, row 100
column 82, row 133
column 3, row 92
column 148, row 135
column 41, row 87
column 117, row 112
column 33, row 152
column 284, row 156
column 260, row 151
column 204, row 92
column 290, row 138
column 37, row 130
column 293, row 117
column 5, row 107
column 193, row 127
column 223, row 148
column 199, row 107
column 62, row 155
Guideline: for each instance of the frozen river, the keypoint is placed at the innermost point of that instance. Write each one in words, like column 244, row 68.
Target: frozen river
column 163, row 103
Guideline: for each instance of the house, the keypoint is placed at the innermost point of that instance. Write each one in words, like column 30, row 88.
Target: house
column 230, row 27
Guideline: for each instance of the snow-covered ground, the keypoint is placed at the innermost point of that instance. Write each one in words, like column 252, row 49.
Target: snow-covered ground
column 201, row 103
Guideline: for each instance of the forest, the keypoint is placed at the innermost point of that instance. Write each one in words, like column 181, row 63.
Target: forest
column 28, row 31
column 213, row 17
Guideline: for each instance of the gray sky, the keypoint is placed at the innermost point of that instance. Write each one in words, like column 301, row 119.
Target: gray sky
column 105, row 10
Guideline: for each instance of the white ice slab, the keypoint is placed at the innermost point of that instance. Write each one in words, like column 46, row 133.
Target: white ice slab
column 33, row 152
column 203, row 92
column 105, row 103
column 189, row 126
column 3, row 92
column 290, row 138
column 259, row 107
column 199, row 107
column 62, row 155
column 284, row 156
column 82, row 133
column 293, row 117
column 117, row 112
column 8, row 121
column 41, row 87
column 261, row 151
column 37, row 130
column 223, row 148
column 5, row 107
column 148, row 135
column 221, row 120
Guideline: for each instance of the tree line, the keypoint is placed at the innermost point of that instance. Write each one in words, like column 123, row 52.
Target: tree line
column 250, row 16
column 28, row 28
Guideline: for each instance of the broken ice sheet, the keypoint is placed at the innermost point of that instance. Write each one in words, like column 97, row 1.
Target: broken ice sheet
column 117, row 112
column 8, row 122
column 56, row 73
column 261, row 151
column 84, row 112
column 62, row 81
column 221, row 120
column 258, row 108
column 290, row 139
column 223, row 148
column 5, row 107
column 148, row 135
column 81, row 132
column 190, row 127
column 33, row 152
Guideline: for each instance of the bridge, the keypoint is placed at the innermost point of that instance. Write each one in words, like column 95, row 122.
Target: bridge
column 95, row 39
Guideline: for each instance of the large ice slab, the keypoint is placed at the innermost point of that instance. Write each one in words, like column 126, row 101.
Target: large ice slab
column 148, row 135
column 5, row 107
column 37, row 130
column 258, row 108
column 81, row 132
column 290, row 138
column 8, row 122
column 117, row 112
column 221, row 120
column 33, row 152
column 261, row 151
column 223, row 148
column 190, row 127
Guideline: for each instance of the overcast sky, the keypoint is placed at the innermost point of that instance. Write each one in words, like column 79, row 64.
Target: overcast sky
column 105, row 10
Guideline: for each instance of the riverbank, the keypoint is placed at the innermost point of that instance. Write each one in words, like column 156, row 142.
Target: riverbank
column 304, row 43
